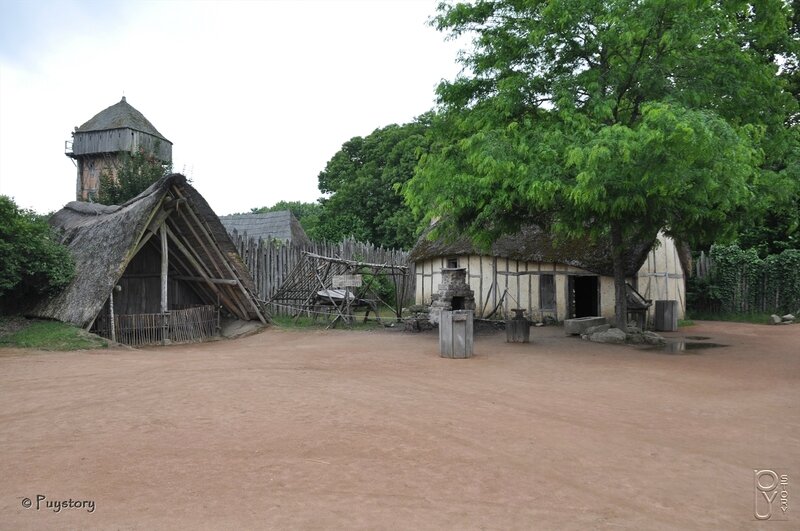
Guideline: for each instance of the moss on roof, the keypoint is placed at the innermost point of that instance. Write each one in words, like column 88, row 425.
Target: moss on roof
column 532, row 244
column 120, row 116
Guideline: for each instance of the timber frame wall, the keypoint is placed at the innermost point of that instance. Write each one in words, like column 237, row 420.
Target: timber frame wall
column 660, row 277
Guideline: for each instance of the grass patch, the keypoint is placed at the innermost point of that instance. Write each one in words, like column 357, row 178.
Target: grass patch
column 755, row 318
column 46, row 335
column 685, row 322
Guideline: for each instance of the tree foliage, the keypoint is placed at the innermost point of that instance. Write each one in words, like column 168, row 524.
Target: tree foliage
column 361, row 183
column 135, row 172
column 32, row 263
column 612, row 119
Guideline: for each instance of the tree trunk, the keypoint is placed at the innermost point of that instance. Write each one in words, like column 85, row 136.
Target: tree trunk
column 620, row 290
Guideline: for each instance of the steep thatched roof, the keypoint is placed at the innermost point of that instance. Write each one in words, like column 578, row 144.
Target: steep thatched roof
column 119, row 116
column 103, row 240
column 532, row 244
column 281, row 225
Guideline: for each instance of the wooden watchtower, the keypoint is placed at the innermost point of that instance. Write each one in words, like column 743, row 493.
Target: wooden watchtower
column 97, row 145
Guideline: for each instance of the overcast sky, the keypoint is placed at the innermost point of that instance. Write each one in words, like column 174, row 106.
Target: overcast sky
column 256, row 96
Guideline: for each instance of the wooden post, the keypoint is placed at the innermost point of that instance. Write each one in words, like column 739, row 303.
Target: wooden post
column 111, row 315
column 164, row 269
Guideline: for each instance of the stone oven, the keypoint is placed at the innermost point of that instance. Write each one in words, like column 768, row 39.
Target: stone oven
column 454, row 293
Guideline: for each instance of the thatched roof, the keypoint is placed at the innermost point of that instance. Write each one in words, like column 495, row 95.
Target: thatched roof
column 121, row 115
column 281, row 225
column 532, row 244
column 103, row 240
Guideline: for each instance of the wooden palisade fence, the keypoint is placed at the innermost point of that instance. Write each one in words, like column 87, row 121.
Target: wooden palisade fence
column 271, row 261
column 730, row 279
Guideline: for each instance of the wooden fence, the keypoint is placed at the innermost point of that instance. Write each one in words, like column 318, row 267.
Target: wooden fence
column 271, row 261
column 738, row 281
column 181, row 325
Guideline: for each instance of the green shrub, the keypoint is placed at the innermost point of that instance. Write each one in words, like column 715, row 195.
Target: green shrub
column 135, row 173
column 32, row 262
column 380, row 285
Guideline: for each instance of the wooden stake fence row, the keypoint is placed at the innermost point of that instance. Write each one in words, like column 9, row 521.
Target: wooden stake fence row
column 272, row 261
column 190, row 324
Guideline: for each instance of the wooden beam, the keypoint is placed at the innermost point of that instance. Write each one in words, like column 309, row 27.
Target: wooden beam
column 193, row 260
column 226, row 281
column 224, row 259
column 111, row 316
column 142, row 242
column 164, row 284
column 201, row 271
column 200, row 289
column 139, row 243
column 164, row 269
column 210, row 257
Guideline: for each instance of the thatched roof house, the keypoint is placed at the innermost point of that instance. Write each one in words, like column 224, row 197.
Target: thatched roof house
column 165, row 249
column 280, row 225
column 563, row 279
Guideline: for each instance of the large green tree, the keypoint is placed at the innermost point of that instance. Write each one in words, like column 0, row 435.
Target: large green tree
column 361, row 183
column 776, row 227
column 610, row 118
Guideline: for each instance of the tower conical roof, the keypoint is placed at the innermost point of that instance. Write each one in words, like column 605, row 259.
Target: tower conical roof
column 118, row 116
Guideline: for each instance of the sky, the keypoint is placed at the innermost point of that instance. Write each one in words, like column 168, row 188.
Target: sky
column 256, row 96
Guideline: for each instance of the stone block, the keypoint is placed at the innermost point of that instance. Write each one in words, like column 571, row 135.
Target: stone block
column 599, row 328
column 577, row 327
column 651, row 338
column 612, row 335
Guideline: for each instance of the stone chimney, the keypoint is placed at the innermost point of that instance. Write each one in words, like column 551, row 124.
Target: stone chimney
column 454, row 293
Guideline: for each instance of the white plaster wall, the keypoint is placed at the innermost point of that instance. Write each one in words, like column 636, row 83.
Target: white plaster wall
column 661, row 277
column 510, row 274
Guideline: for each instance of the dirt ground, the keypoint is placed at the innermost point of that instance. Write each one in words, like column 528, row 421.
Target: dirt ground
column 355, row 430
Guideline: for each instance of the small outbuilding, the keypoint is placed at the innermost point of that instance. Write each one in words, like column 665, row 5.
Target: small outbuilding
column 157, row 268
column 550, row 279
column 279, row 225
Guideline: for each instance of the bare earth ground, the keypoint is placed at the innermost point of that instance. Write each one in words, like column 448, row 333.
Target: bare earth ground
column 294, row 429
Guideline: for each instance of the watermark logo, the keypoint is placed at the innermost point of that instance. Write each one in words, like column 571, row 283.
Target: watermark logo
column 771, row 492
column 42, row 503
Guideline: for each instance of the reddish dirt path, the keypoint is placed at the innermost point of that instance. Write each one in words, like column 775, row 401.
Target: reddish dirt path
column 352, row 430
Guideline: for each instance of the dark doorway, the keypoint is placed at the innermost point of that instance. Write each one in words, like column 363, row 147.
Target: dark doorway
column 584, row 296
